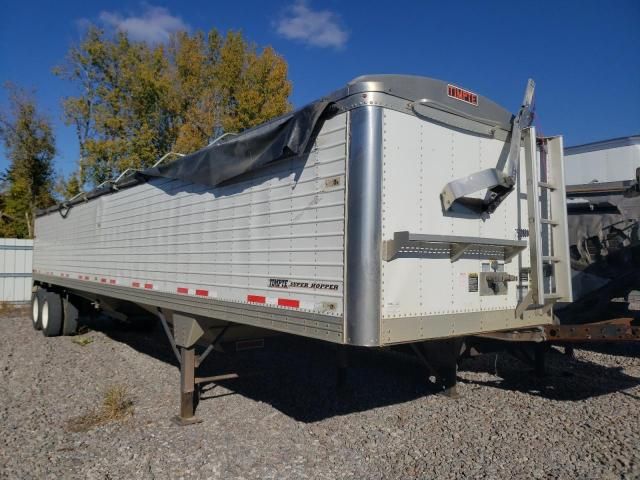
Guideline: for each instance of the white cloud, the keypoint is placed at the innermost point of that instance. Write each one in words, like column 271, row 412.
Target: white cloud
column 155, row 25
column 320, row 28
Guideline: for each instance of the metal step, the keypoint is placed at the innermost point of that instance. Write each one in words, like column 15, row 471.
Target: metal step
column 455, row 246
column 552, row 296
column 549, row 186
column 548, row 221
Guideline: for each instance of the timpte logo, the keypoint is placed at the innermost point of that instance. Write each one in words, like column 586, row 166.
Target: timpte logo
column 278, row 283
column 462, row 95
column 286, row 283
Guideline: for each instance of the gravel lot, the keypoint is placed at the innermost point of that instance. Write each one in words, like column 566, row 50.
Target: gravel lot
column 581, row 421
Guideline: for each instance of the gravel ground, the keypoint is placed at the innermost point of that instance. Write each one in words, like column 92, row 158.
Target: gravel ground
column 580, row 421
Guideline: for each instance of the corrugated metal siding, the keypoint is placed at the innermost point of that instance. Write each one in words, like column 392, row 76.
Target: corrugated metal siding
column 15, row 270
column 285, row 221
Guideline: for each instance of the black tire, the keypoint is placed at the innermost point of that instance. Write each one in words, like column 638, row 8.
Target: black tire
column 37, row 299
column 71, row 315
column 52, row 315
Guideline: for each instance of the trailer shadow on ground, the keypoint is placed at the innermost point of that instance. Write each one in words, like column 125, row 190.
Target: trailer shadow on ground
column 566, row 378
column 625, row 349
column 297, row 376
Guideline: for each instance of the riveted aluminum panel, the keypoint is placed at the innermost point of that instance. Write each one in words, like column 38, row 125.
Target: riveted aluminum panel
column 419, row 157
column 411, row 329
column 284, row 221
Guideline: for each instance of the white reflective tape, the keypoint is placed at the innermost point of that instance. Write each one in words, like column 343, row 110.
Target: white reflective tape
column 308, row 305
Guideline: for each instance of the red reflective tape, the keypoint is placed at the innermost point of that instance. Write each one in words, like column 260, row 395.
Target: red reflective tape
column 148, row 285
column 256, row 299
column 183, row 290
column 287, row 302
column 112, row 281
column 135, row 284
column 103, row 280
column 202, row 293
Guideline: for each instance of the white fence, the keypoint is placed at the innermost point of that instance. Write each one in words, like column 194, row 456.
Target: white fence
column 15, row 270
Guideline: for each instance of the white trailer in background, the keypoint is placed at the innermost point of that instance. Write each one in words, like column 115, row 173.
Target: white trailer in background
column 606, row 161
column 398, row 209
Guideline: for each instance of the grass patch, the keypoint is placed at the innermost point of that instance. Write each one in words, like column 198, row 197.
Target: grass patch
column 82, row 341
column 116, row 405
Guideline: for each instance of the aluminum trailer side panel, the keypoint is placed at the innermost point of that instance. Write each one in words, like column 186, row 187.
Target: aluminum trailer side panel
column 232, row 243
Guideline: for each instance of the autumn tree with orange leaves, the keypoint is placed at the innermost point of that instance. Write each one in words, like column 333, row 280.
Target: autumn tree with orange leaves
column 137, row 101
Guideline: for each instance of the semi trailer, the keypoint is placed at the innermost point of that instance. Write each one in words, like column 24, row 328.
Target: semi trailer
column 395, row 210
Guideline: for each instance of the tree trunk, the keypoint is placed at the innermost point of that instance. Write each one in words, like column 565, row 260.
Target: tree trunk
column 29, row 226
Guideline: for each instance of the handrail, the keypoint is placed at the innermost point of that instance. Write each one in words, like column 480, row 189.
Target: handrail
column 123, row 174
column 217, row 139
column 165, row 156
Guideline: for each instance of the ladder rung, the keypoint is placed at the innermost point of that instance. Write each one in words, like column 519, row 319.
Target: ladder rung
column 552, row 296
column 551, row 259
column 548, row 221
column 550, row 186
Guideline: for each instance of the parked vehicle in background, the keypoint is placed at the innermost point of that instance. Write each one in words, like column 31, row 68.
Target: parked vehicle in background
column 603, row 201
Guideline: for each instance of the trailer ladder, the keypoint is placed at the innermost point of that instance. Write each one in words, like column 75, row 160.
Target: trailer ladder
column 549, row 280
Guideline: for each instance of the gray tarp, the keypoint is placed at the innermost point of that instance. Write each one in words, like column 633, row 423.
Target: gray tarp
column 288, row 135
column 604, row 243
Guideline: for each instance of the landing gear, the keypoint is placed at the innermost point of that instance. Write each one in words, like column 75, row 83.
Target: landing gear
column 189, row 390
column 540, row 359
column 440, row 357
column 342, row 363
column 187, row 331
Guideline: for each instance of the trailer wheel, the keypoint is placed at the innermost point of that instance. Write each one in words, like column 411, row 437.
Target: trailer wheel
column 52, row 315
column 37, row 298
column 70, row 317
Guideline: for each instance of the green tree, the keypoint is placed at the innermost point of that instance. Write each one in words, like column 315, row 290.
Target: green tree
column 30, row 147
column 138, row 102
column 67, row 187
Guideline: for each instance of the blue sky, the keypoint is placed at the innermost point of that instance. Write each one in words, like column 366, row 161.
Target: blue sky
column 584, row 55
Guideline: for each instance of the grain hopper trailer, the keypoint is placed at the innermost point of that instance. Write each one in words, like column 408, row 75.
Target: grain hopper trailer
column 396, row 210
